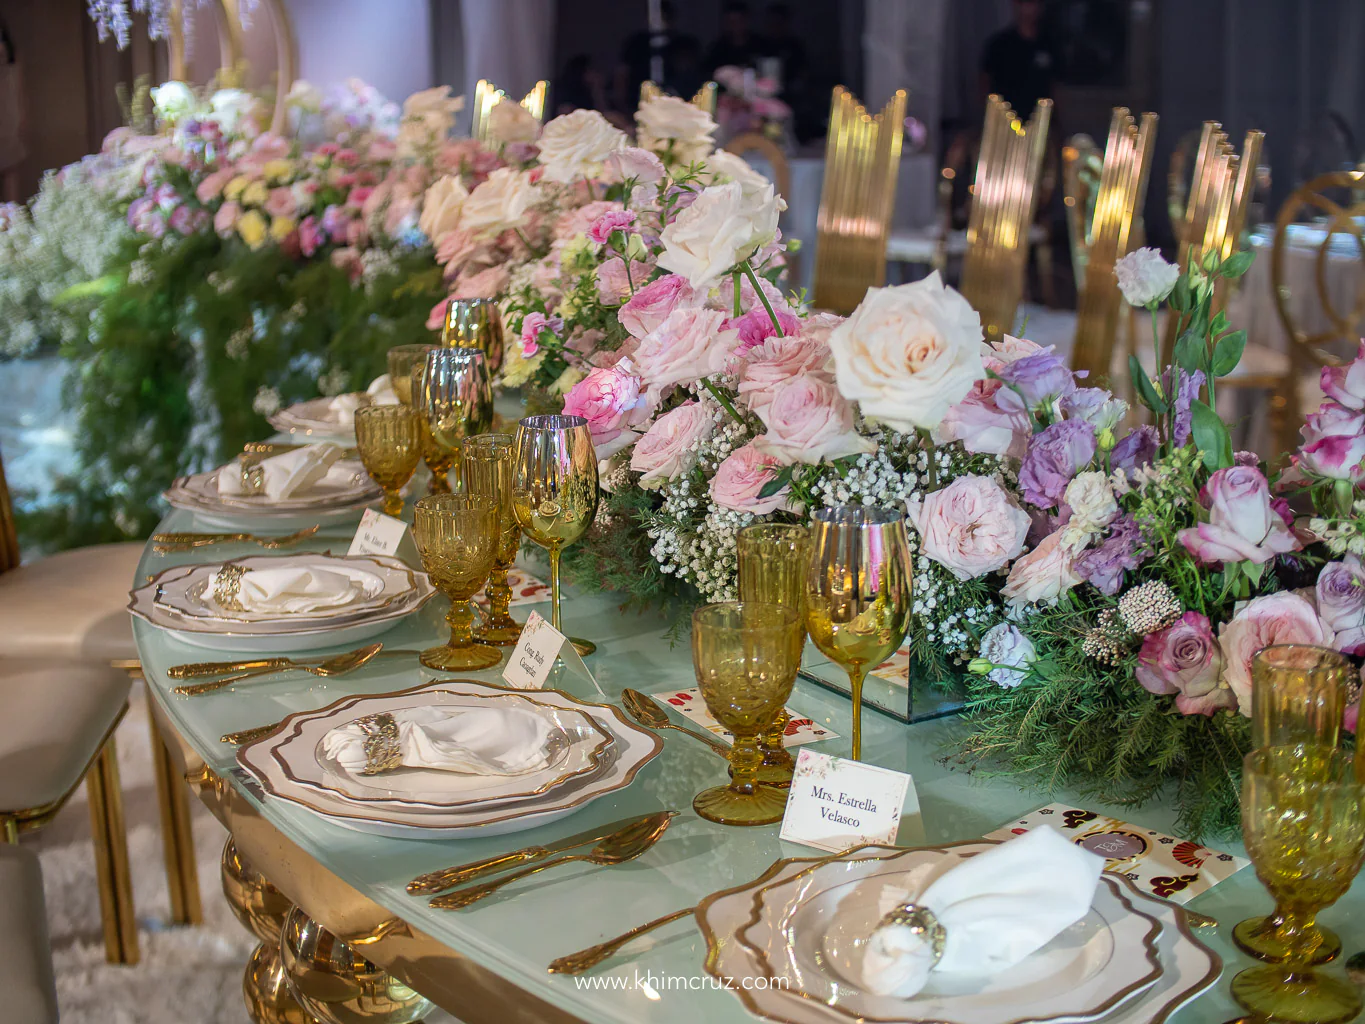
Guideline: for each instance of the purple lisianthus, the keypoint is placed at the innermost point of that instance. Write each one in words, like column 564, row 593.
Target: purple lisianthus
column 1136, row 449
column 1034, row 380
column 146, row 218
column 186, row 221
column 1054, row 456
column 1185, row 391
column 1096, row 406
column 1123, row 550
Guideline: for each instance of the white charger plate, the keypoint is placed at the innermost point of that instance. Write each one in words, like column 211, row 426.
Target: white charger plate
column 313, row 419
column 198, row 493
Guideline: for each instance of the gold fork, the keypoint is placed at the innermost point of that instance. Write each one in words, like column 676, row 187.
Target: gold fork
column 165, row 543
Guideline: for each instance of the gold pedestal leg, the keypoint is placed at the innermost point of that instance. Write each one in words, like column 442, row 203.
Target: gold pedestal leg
column 111, row 857
column 266, row 990
column 177, row 837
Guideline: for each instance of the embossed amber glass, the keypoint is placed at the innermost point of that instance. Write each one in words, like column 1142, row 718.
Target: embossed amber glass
column 773, row 558
column 554, row 491
column 1304, row 830
column 858, row 592
column 746, row 657
column 488, row 472
column 403, row 360
column 457, row 537
column 439, row 459
column 386, row 437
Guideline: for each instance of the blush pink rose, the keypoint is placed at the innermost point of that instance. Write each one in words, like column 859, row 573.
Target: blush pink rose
column 226, row 218
column 651, row 304
column 1041, row 576
column 971, row 527
column 609, row 223
column 580, row 221
column 1346, row 384
column 280, row 202
column 1243, row 525
column 776, row 360
column 610, row 400
column 808, row 421
column 983, row 427
column 632, row 162
column 456, row 249
column 1283, row 618
column 486, row 284
column 739, row 479
column 687, row 346
column 1185, row 659
column 669, row 447
column 613, row 285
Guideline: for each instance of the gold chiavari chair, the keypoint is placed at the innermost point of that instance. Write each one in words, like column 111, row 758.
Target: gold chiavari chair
column 705, row 99
column 1119, row 199
column 862, row 160
column 1003, row 204
column 487, row 96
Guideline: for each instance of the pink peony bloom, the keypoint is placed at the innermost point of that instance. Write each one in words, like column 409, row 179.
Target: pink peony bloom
column 1283, row 618
column 1185, row 659
column 280, row 203
column 1242, row 524
column 809, row 421
column 651, row 304
column 669, row 447
column 687, row 346
column 983, row 426
column 1346, row 384
column 739, row 479
column 776, row 360
column 225, row 220
column 611, row 401
column 606, row 225
column 971, row 527
column 1041, row 576
column 486, row 284
column 1335, row 457
column 212, row 185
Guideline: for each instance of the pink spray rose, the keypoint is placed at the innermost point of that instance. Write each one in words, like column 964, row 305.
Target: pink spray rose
column 532, row 326
column 1341, row 602
column 280, row 202
column 971, row 527
column 1283, row 618
column 1184, row 659
column 1346, row 384
column 1043, row 575
column 739, row 479
column 610, row 400
column 669, row 447
column 685, row 347
column 1242, row 526
column 777, row 360
column 756, row 325
column 651, row 304
column 808, row 420
column 1335, row 457
column 580, row 221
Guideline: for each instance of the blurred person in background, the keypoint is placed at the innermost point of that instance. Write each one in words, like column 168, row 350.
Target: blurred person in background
column 638, row 52
column 1019, row 62
column 578, row 86
column 736, row 46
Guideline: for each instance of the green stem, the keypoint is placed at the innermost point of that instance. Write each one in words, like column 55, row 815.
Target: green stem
column 738, row 311
column 762, row 297
column 630, row 283
column 927, row 440
column 725, row 403
column 588, row 181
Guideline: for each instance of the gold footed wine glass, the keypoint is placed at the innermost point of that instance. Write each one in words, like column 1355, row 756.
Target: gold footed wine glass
column 858, row 592
column 745, row 656
column 474, row 323
column 488, row 472
column 554, row 491
column 456, row 399
column 457, row 537
column 438, row 458
column 773, row 559
column 1298, row 695
column 386, row 437
column 403, row 360
column 1305, row 833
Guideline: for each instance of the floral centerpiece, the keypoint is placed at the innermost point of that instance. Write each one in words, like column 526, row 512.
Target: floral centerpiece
column 749, row 102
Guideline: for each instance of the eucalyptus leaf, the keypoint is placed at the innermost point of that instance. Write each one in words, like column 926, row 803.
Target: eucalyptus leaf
column 1211, row 436
column 1228, row 352
column 1146, row 392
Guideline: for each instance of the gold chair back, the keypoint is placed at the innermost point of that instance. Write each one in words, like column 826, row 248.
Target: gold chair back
column 487, row 96
column 705, row 99
column 1118, row 203
column 862, row 160
column 769, row 151
column 9, row 533
column 1004, row 198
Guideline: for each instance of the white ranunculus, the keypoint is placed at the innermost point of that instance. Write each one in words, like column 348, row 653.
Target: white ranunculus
column 908, row 353
column 229, row 107
column 498, row 203
column 577, row 144
column 1093, row 507
column 1010, row 651
column 428, row 117
column 509, row 121
column 441, row 208
column 669, row 124
column 173, row 101
column 724, row 226
column 1144, row 277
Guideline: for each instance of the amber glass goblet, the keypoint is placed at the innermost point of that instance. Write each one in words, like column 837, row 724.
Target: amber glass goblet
column 474, row 323
column 858, row 592
column 488, row 472
column 773, row 558
column 456, row 398
column 439, row 459
column 403, row 360
column 746, row 657
column 386, row 437
column 457, row 537
column 1298, row 695
column 1304, row 830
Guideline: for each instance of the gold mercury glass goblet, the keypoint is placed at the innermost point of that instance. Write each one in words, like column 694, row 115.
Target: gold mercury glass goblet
column 457, row 537
column 456, row 399
column 773, row 559
column 474, row 323
column 1298, row 695
column 858, row 592
column 746, row 657
column 438, row 458
column 488, row 472
column 554, row 491
column 403, row 359
column 1304, row 831
column 386, row 437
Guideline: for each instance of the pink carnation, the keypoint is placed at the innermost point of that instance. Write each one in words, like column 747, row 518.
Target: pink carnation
column 532, row 326
column 280, row 202
column 604, row 226
column 756, row 326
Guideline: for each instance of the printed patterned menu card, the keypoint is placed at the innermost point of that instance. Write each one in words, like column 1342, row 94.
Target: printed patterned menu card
column 526, row 589
column 690, row 705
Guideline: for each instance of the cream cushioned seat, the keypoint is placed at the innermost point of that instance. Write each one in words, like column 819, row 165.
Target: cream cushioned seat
column 71, row 606
column 55, row 718
column 28, row 993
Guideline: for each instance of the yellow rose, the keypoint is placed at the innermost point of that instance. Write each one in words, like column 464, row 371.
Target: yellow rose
column 255, row 194
column 281, row 226
column 278, row 170
column 233, row 188
column 251, row 226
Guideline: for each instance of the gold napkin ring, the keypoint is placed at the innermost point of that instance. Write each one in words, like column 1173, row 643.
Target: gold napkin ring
column 253, row 477
column 382, row 750
column 922, row 922
column 227, row 584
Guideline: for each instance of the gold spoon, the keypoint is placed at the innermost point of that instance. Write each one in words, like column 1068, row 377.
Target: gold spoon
column 165, row 543
column 337, row 665
column 624, row 845
column 586, row 959
column 648, row 713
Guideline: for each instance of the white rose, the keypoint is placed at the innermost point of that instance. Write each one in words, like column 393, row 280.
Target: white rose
column 1093, row 507
column 428, row 117
column 173, row 101
column 509, row 121
column 441, row 208
column 577, row 145
column 498, row 203
column 636, row 163
column 908, row 353
column 229, row 107
column 721, row 228
column 1010, row 651
column 723, row 167
column 1144, row 277
column 667, row 124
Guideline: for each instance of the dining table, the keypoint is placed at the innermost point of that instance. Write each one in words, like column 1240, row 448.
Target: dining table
column 488, row 962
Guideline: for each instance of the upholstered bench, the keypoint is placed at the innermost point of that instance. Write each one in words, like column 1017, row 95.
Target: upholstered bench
column 27, row 989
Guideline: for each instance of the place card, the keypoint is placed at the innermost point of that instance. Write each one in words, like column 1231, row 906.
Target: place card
column 378, row 534
column 533, row 659
column 1172, row 869
column 835, row 803
column 690, row 705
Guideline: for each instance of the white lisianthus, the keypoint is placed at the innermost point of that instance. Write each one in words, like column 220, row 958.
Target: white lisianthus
column 498, row 203
column 1093, row 507
column 441, row 208
column 304, row 95
column 908, row 353
column 509, row 121
column 577, row 145
column 1009, row 651
column 724, row 226
column 669, row 125
column 173, row 101
column 1144, row 277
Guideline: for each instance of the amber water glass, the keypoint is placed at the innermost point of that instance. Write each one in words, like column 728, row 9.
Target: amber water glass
column 746, row 657
column 403, row 360
column 389, row 445
column 457, row 537
column 1304, row 830
column 772, row 560
column 474, row 323
column 456, row 399
column 488, row 472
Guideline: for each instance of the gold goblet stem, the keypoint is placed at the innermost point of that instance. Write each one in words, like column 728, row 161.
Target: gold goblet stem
column 856, row 675
column 461, row 620
column 745, row 757
column 499, row 598
column 775, row 736
column 554, row 587
column 393, row 502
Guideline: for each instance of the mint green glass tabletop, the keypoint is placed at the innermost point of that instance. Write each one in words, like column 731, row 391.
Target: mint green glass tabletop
column 516, row 933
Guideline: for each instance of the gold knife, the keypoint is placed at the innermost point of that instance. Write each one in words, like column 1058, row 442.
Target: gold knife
column 439, row 881
column 202, row 669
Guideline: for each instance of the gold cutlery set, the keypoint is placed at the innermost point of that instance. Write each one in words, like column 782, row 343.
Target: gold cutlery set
column 237, row 671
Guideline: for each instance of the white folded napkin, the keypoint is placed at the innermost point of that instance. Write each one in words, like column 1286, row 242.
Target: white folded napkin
column 996, row 908
column 475, row 741
column 285, row 475
column 293, row 590
column 380, row 392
